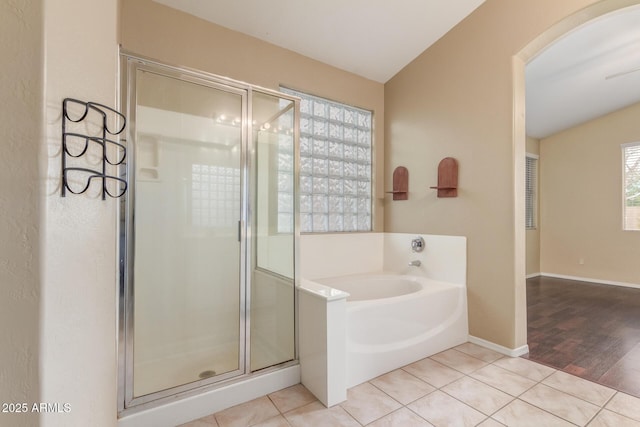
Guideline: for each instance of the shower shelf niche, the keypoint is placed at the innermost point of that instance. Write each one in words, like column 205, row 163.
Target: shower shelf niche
column 148, row 158
column 95, row 150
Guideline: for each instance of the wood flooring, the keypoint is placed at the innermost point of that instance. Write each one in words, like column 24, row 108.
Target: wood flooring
column 585, row 329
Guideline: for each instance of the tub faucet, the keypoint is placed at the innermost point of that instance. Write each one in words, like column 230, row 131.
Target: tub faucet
column 415, row 263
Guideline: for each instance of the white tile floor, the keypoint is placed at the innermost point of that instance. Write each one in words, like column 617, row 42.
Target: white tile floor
column 464, row 386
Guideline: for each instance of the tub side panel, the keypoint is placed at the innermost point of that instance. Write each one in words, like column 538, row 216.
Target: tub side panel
column 322, row 344
column 383, row 337
column 313, row 344
column 394, row 322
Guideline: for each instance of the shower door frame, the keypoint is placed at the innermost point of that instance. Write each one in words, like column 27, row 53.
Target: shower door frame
column 127, row 403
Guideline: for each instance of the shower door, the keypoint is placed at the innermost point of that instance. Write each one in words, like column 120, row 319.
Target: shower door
column 208, row 233
column 187, row 220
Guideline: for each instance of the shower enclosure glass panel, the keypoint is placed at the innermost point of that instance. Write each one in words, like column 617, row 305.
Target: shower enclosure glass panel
column 187, row 232
column 272, row 285
column 208, row 233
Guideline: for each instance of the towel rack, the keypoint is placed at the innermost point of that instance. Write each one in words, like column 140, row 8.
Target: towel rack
column 87, row 175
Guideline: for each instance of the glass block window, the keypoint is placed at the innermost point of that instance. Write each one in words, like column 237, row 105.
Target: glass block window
column 215, row 196
column 285, row 172
column 335, row 165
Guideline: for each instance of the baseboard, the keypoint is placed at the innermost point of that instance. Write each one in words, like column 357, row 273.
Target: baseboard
column 587, row 279
column 512, row 352
column 532, row 275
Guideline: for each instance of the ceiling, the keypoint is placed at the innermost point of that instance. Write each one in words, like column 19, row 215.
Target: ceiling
column 580, row 77
column 592, row 71
column 371, row 38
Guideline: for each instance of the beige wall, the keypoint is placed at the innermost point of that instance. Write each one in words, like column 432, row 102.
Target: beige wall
column 453, row 100
column 581, row 200
column 173, row 37
column 532, row 145
column 456, row 99
column 57, row 260
column 533, row 236
column 21, row 125
column 78, row 310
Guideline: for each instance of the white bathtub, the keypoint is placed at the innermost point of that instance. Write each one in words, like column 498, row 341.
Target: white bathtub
column 394, row 320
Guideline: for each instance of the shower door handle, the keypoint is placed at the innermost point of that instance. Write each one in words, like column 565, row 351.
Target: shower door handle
column 240, row 230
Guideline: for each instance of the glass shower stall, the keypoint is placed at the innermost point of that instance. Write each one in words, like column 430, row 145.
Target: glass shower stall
column 208, row 232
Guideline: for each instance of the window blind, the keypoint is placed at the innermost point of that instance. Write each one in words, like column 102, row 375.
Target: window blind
column 631, row 183
column 531, row 190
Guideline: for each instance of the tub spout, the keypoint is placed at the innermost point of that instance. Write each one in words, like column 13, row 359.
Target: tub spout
column 415, row 263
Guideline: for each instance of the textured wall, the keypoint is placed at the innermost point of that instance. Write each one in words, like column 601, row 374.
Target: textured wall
column 79, row 281
column 21, row 123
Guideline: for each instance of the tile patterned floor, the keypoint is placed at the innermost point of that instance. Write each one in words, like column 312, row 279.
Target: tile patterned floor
column 586, row 329
column 465, row 386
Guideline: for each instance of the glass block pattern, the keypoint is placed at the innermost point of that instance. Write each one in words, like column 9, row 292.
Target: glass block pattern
column 286, row 161
column 335, row 165
column 215, row 196
column 286, row 199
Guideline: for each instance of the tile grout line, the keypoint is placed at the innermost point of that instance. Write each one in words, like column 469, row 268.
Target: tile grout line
column 514, row 398
column 417, row 414
column 578, row 397
column 488, row 385
column 427, row 394
column 290, row 410
column 351, row 415
column 518, row 397
column 619, row 413
column 393, row 397
column 605, row 406
column 541, row 381
column 465, row 375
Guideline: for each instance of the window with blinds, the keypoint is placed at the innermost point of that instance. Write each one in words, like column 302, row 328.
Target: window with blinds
column 531, row 191
column 335, row 165
column 631, row 183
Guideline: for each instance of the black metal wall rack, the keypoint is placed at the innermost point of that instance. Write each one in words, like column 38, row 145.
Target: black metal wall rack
column 105, row 145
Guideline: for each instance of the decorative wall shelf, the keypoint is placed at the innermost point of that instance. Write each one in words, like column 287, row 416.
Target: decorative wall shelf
column 447, row 178
column 400, row 184
column 86, row 175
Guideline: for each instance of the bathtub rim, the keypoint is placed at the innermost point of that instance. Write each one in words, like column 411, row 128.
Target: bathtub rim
column 422, row 280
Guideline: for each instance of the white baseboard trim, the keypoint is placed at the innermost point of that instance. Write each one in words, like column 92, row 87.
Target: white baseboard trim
column 587, row 279
column 512, row 352
column 532, row 275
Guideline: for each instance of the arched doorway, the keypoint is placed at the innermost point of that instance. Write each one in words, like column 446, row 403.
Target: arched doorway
column 540, row 44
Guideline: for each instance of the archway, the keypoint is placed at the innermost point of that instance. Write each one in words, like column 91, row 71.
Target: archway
column 520, row 60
